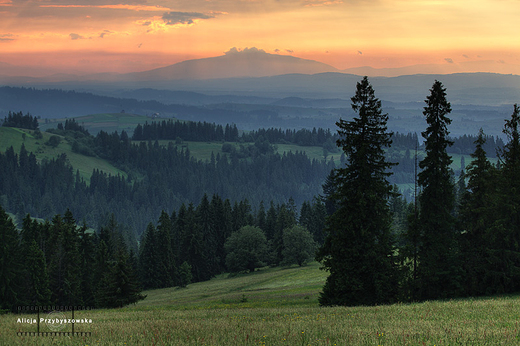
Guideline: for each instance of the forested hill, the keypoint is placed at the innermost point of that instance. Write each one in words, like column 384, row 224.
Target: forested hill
column 157, row 178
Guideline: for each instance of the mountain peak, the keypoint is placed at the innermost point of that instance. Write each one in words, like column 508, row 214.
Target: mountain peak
column 235, row 63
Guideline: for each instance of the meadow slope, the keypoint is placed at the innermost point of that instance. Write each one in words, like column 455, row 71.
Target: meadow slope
column 278, row 306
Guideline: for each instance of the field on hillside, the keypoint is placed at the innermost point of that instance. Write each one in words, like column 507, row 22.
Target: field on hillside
column 10, row 136
column 278, row 306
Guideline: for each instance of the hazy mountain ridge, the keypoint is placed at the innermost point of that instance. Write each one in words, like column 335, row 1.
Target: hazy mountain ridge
column 260, row 76
column 250, row 62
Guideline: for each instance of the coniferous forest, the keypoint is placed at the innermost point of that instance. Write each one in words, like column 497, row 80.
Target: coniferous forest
column 174, row 220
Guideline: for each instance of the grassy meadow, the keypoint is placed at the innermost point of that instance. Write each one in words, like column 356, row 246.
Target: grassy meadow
column 10, row 136
column 278, row 306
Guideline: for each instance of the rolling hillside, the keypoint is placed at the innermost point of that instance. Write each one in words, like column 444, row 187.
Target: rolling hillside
column 14, row 137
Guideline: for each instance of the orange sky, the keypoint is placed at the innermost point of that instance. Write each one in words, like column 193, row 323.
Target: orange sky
column 133, row 35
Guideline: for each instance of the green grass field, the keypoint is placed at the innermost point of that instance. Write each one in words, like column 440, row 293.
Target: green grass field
column 10, row 136
column 278, row 306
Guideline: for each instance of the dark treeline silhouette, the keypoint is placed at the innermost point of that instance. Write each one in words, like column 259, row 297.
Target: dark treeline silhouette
column 26, row 121
column 58, row 263
column 205, row 132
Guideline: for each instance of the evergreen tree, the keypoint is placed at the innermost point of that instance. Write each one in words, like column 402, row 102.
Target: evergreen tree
column 505, row 253
column 184, row 274
column 193, row 249
column 319, row 216
column 64, row 261
column 87, row 250
column 477, row 208
column 149, row 259
column 439, row 271
column 205, row 222
column 37, row 291
column 329, row 188
column 286, row 218
column 121, row 286
column 10, row 268
column 166, row 271
column 101, row 274
column 221, row 216
column 358, row 250
column 270, row 221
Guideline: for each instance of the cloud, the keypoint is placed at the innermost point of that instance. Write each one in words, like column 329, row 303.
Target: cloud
column 139, row 46
column 360, row 52
column 252, row 50
column 277, row 50
column 6, row 37
column 173, row 18
column 74, row 36
column 317, row 3
column 290, row 51
column 91, row 3
column 448, row 60
column 129, row 7
column 105, row 32
column 465, row 56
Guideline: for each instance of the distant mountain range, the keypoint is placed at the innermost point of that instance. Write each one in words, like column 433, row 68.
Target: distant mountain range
column 257, row 75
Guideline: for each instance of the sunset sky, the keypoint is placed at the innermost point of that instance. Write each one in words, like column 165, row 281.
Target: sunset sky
column 135, row 35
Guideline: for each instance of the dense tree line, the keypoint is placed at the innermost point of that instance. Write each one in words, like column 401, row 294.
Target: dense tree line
column 185, row 130
column 58, row 263
column 205, row 132
column 27, row 121
column 465, row 144
column 219, row 236
column 459, row 238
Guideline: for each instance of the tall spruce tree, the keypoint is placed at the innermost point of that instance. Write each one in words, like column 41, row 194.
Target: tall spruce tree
column 149, row 259
column 121, row 285
column 477, row 211
column 506, row 230
column 36, row 279
column 439, row 272
column 358, row 250
column 166, row 270
column 10, row 263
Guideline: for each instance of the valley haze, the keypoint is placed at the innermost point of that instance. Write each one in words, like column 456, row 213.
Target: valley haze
column 253, row 76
